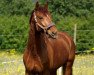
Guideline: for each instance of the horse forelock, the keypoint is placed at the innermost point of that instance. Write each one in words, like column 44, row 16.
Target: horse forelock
column 42, row 10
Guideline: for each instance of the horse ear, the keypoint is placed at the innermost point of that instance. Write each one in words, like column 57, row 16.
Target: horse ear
column 46, row 5
column 37, row 5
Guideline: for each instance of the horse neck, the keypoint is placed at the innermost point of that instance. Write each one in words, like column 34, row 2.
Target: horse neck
column 36, row 40
column 31, row 46
column 41, row 45
column 40, row 39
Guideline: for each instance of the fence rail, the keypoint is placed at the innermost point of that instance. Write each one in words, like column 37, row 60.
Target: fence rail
column 81, row 38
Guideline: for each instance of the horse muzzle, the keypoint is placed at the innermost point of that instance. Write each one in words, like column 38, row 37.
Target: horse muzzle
column 52, row 34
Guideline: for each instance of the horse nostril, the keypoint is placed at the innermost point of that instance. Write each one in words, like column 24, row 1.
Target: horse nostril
column 49, row 32
column 54, row 33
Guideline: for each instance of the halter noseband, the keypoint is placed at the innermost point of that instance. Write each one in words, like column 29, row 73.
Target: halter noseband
column 44, row 28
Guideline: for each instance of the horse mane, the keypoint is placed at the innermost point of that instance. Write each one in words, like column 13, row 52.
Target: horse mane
column 31, row 17
column 35, row 38
column 31, row 46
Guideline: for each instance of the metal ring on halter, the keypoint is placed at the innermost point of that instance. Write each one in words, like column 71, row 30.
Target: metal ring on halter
column 50, row 25
column 44, row 28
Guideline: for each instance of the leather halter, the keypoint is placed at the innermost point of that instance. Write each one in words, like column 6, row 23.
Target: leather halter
column 44, row 28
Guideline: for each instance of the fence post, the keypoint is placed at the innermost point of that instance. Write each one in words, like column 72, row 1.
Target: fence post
column 75, row 32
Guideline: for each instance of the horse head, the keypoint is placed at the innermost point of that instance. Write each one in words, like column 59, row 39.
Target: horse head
column 43, row 20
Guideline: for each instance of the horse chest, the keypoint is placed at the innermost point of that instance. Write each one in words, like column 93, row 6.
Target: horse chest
column 60, row 53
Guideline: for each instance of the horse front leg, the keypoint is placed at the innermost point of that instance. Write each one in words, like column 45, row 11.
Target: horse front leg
column 67, row 68
column 53, row 72
column 45, row 72
column 29, row 73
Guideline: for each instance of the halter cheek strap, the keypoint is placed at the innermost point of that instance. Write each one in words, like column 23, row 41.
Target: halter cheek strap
column 44, row 28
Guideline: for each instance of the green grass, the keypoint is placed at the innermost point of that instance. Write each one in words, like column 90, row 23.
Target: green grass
column 11, row 64
column 84, row 65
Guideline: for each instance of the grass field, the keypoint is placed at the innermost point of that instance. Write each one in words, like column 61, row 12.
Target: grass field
column 11, row 64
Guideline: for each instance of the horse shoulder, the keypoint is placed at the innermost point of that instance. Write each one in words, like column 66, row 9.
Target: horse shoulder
column 72, row 45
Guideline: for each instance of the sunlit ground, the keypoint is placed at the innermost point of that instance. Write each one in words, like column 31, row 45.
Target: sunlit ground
column 11, row 64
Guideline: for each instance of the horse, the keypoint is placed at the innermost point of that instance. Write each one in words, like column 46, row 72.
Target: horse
column 47, row 48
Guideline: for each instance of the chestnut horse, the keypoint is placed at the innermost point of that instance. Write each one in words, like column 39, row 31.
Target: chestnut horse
column 47, row 48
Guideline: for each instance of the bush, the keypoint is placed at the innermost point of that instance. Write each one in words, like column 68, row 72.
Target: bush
column 14, row 28
column 18, row 7
column 13, row 32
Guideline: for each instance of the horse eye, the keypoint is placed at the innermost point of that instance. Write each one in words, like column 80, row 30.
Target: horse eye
column 40, row 17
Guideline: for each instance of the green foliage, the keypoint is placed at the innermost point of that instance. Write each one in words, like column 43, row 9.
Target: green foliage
column 77, row 8
column 65, row 13
column 18, row 7
column 64, row 8
column 13, row 32
column 85, row 35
